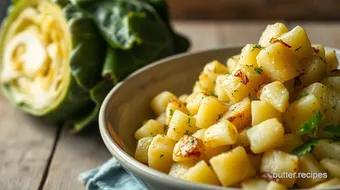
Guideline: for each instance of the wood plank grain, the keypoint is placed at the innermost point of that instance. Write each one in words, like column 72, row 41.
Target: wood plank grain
column 203, row 35
column 75, row 154
column 25, row 147
column 255, row 9
column 326, row 33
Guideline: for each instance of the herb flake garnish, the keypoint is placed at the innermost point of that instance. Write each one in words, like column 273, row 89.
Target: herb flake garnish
column 171, row 112
column 308, row 127
column 306, row 147
column 188, row 122
column 188, row 132
column 213, row 94
column 258, row 70
column 333, row 129
column 161, row 155
column 299, row 96
column 256, row 46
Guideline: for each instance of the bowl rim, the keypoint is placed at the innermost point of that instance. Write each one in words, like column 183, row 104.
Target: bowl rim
column 130, row 162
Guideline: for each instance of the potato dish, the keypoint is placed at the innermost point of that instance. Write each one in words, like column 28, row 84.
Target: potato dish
column 269, row 118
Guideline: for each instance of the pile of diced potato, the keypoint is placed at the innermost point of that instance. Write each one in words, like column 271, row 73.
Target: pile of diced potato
column 239, row 125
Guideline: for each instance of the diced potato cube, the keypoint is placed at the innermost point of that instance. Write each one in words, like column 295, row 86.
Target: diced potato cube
column 308, row 164
column 198, row 88
column 256, row 161
column 209, row 74
column 252, row 77
column 291, row 141
column 232, row 63
column 332, row 61
column 254, row 184
column 232, row 167
column 272, row 31
column 278, row 162
column 161, row 119
column 266, row 135
column 221, row 94
column 243, row 139
column 209, row 112
column 173, row 105
column 211, row 152
column 329, row 101
column 160, row 153
column 333, row 83
column 315, row 70
column 261, row 111
column 275, row 186
column 329, row 184
column 149, row 129
column 319, row 50
column 298, row 39
column 142, row 148
column 239, row 114
column 248, row 55
column 327, row 149
column 180, row 125
column 201, row 173
column 276, row 95
column 178, row 169
column 332, row 166
column 188, row 148
column 235, row 88
column 220, row 134
column 207, row 81
column 300, row 112
column 159, row 102
column 208, row 151
column 199, row 134
column 183, row 97
column 215, row 67
column 194, row 104
column 279, row 63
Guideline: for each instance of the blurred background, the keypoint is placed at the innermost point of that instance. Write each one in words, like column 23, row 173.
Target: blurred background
column 255, row 9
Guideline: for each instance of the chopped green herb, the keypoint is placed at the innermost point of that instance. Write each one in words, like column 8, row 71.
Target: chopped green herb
column 161, row 155
column 192, row 141
column 249, row 95
column 171, row 112
column 249, row 65
column 188, row 132
column 256, row 46
column 307, row 128
column 333, row 129
column 299, row 96
column 306, row 147
column 258, row 70
column 297, row 49
column 188, row 121
column 320, row 58
column 213, row 94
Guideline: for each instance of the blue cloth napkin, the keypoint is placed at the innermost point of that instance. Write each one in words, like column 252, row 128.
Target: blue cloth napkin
column 110, row 176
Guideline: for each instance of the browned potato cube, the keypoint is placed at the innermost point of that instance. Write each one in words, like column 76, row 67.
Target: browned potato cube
column 239, row 114
column 278, row 162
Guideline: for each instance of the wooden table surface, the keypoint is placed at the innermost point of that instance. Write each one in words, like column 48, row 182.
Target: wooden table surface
column 38, row 155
